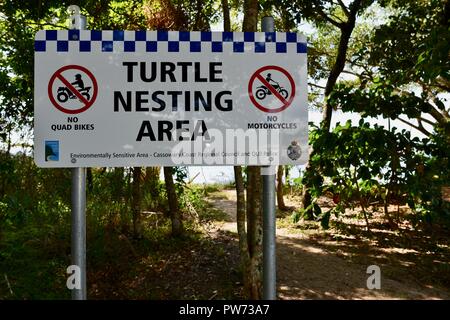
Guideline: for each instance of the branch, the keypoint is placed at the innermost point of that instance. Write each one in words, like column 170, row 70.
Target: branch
column 436, row 114
column 327, row 18
column 344, row 8
column 354, row 7
column 440, row 86
column 9, row 285
column 444, row 83
column 339, row 20
column 352, row 73
column 431, row 123
column 439, row 116
column 421, row 129
column 432, row 95
column 419, row 121
column 48, row 24
column 316, row 85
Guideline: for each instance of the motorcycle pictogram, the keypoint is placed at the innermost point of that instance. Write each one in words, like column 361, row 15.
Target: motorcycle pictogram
column 263, row 91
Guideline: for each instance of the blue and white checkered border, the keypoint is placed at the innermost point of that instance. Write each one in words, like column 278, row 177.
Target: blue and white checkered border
column 168, row 41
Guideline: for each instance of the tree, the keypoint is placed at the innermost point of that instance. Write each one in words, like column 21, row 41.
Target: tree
column 250, row 239
column 343, row 18
column 250, row 22
column 18, row 24
column 248, row 212
column 174, row 210
column 226, row 16
column 280, row 200
column 241, row 220
column 151, row 188
column 136, row 202
column 407, row 77
column 19, row 21
column 400, row 71
column 408, row 60
column 181, row 14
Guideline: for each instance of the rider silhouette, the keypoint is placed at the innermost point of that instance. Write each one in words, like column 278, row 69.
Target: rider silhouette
column 78, row 82
column 272, row 82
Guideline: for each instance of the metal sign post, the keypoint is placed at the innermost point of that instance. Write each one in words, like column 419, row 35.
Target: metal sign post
column 77, row 21
column 269, row 234
column 269, row 214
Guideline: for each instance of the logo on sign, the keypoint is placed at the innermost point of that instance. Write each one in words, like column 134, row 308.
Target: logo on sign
column 271, row 89
column 51, row 150
column 294, row 151
column 72, row 89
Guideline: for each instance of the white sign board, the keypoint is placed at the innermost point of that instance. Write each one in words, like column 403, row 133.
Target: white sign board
column 145, row 98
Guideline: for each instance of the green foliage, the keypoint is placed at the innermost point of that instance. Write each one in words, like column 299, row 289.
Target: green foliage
column 406, row 72
column 35, row 258
column 325, row 219
column 378, row 98
column 406, row 66
column 29, row 194
column 296, row 215
column 313, row 211
column 35, row 223
column 19, row 22
column 362, row 162
column 415, row 43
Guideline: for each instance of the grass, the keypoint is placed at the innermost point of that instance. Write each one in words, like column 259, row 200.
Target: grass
column 34, row 258
column 212, row 213
column 307, row 227
column 34, row 263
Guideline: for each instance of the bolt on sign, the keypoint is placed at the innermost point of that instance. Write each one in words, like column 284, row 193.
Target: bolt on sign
column 144, row 98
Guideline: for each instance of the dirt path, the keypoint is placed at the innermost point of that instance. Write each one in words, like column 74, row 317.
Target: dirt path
column 312, row 267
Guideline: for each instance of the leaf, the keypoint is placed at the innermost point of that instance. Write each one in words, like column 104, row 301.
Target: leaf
column 317, row 210
column 325, row 219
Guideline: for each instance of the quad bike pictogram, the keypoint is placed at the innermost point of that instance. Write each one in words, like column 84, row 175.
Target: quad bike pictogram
column 65, row 93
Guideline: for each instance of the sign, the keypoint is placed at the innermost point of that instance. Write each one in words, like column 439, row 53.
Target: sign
column 75, row 97
column 282, row 94
column 166, row 98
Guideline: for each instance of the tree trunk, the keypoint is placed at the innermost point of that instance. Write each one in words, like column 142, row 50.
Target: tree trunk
column 338, row 67
column 250, row 22
column 172, row 17
column 254, row 194
column 346, row 32
column 151, row 183
column 280, row 200
column 118, row 194
column 254, row 230
column 89, row 178
column 241, row 220
column 226, row 16
column 243, row 208
column 136, row 202
column 254, row 209
column 174, row 211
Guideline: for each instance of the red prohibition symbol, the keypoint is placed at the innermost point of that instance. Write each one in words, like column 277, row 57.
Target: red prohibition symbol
column 280, row 93
column 64, row 94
